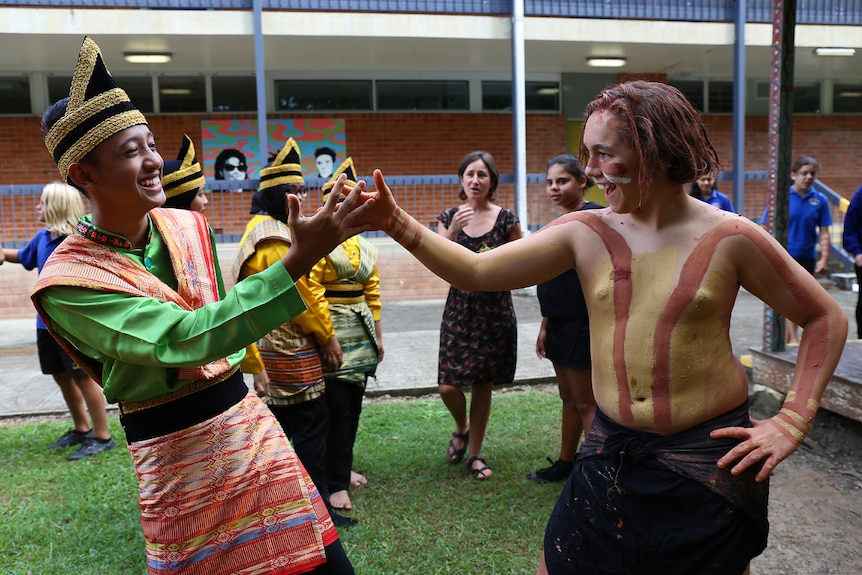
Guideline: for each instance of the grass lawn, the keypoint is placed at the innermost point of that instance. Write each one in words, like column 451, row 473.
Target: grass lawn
column 417, row 514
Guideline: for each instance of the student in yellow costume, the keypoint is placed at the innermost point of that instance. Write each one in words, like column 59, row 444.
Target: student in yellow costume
column 291, row 353
column 347, row 280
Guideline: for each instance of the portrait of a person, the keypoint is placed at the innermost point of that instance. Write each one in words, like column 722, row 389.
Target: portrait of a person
column 324, row 157
column 231, row 164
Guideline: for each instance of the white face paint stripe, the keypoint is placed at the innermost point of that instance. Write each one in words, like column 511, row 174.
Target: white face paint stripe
column 617, row 179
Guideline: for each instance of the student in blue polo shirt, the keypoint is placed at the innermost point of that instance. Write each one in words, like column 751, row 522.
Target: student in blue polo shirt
column 808, row 222
column 704, row 189
column 852, row 239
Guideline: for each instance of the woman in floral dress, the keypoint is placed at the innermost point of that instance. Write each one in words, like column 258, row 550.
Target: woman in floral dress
column 478, row 334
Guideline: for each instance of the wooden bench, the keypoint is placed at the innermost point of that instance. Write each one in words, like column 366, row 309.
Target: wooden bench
column 844, row 280
column 843, row 395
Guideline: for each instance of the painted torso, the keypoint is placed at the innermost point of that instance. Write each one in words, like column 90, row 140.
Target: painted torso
column 668, row 290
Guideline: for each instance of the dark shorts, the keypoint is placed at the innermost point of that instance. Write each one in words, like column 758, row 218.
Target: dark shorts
column 52, row 358
column 643, row 503
column 807, row 263
column 567, row 342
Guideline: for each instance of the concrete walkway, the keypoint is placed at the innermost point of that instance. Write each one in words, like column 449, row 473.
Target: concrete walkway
column 410, row 338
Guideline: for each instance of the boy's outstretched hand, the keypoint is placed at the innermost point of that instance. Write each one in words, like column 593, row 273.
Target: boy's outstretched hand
column 312, row 238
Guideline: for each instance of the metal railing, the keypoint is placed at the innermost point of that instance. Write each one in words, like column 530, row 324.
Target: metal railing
column 839, row 205
column 423, row 196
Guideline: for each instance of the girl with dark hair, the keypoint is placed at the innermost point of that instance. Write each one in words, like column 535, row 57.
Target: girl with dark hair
column 564, row 336
column 704, row 189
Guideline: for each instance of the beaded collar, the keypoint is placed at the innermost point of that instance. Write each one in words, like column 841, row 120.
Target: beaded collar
column 106, row 238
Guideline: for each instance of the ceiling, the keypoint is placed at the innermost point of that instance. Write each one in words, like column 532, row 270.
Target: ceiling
column 223, row 42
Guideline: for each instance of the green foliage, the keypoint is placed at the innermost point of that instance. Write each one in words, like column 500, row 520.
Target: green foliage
column 417, row 513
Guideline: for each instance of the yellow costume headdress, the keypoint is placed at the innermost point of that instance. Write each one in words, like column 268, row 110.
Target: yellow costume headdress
column 346, row 167
column 183, row 174
column 97, row 109
column 286, row 168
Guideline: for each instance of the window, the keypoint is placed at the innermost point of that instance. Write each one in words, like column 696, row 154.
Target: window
column 539, row 96
column 847, row 98
column 14, row 95
column 182, row 94
column 304, row 95
column 692, row 90
column 806, row 98
column 58, row 87
column 234, row 94
column 720, row 97
column 423, row 95
column 139, row 89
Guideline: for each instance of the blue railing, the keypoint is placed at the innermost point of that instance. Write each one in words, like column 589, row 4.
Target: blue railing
column 845, row 12
column 423, row 196
column 839, row 204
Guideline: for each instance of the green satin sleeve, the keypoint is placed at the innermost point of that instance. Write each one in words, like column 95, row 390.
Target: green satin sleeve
column 141, row 341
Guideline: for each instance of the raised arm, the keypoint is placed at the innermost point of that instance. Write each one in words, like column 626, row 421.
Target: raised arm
column 516, row 264
column 767, row 271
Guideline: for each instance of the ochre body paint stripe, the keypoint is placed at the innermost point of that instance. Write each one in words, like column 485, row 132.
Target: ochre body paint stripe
column 690, row 279
column 621, row 260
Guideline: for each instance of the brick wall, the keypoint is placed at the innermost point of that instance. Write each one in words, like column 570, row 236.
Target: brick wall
column 398, row 144
column 406, row 144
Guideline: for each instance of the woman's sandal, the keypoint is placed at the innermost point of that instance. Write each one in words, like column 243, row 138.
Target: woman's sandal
column 453, row 454
column 478, row 473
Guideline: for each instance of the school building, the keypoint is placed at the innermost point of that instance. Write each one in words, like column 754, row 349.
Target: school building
column 413, row 85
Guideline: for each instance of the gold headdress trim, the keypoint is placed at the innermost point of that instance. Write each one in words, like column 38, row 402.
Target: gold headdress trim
column 89, row 122
column 95, row 136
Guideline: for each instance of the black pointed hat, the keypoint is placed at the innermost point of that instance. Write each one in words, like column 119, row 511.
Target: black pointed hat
column 183, row 174
column 97, row 109
column 346, row 167
column 286, row 168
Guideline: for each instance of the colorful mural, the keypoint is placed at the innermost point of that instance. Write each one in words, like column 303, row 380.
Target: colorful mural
column 231, row 148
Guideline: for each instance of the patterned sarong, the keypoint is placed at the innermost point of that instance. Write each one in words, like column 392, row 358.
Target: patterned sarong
column 351, row 317
column 354, row 328
column 228, row 496
column 294, row 376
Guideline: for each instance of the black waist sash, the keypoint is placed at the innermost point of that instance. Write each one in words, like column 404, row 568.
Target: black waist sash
column 184, row 411
column 691, row 453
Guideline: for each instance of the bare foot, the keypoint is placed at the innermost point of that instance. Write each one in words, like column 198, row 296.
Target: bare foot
column 357, row 479
column 340, row 500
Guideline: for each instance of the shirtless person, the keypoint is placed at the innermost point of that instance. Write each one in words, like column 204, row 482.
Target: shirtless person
column 673, row 476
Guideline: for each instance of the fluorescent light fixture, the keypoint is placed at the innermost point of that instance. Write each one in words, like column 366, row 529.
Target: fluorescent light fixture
column 834, row 51
column 148, row 57
column 606, row 61
column 175, row 91
column 548, row 91
column 850, row 94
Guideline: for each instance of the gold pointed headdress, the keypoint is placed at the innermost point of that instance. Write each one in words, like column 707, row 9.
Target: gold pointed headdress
column 97, row 109
column 286, row 168
column 346, row 167
column 183, row 174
